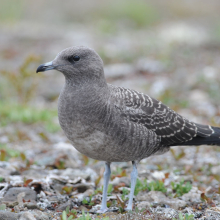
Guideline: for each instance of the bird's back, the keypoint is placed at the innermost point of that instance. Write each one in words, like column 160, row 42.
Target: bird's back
column 170, row 127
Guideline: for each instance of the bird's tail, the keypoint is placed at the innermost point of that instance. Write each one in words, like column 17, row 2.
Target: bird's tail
column 206, row 135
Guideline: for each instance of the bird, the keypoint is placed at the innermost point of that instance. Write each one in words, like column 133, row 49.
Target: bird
column 116, row 124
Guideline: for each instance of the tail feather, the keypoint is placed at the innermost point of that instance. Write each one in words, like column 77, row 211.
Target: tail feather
column 206, row 135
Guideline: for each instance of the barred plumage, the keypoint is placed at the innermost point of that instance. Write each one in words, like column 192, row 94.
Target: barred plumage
column 112, row 123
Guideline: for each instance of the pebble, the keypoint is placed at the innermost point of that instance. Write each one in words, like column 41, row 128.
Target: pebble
column 215, row 170
column 118, row 180
column 194, row 195
column 63, row 207
column 12, row 194
column 86, row 173
column 159, row 197
column 5, row 215
column 27, row 216
column 40, row 215
column 149, row 66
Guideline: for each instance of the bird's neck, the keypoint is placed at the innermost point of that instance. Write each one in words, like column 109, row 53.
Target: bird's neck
column 81, row 105
column 87, row 88
column 83, row 96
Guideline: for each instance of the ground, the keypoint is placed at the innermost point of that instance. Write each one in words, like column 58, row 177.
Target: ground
column 167, row 50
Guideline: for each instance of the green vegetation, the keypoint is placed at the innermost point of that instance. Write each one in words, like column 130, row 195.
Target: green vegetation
column 7, row 153
column 22, row 83
column 178, row 188
column 11, row 10
column 138, row 13
column 124, row 193
column 181, row 188
column 186, row 217
column 88, row 202
column 17, row 90
column 14, row 113
column 69, row 214
column 171, row 99
column 152, row 186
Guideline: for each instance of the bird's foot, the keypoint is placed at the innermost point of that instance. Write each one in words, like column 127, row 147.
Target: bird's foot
column 102, row 210
column 129, row 208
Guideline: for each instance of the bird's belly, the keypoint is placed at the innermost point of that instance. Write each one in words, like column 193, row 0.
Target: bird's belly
column 92, row 145
column 99, row 146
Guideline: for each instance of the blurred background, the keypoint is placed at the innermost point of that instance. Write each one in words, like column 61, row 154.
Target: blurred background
column 168, row 49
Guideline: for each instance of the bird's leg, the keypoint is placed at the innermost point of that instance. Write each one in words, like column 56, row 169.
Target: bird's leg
column 105, row 188
column 134, row 174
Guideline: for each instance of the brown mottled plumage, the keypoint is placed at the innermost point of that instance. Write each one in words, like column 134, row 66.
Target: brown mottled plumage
column 111, row 123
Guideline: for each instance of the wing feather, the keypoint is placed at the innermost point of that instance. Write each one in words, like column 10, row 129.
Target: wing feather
column 172, row 128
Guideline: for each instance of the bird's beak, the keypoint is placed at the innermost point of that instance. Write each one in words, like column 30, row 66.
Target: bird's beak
column 45, row 67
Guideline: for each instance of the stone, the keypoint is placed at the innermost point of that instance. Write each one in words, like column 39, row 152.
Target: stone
column 87, row 173
column 215, row 170
column 31, row 205
column 40, row 215
column 35, row 173
column 149, row 65
column 194, row 195
column 27, row 216
column 5, row 215
column 63, row 207
column 12, row 193
column 118, row 180
column 143, row 205
column 159, row 197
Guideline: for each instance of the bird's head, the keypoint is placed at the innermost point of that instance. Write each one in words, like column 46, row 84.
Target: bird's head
column 77, row 64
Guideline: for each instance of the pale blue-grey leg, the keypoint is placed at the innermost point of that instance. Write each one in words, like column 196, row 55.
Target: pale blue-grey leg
column 107, row 174
column 134, row 175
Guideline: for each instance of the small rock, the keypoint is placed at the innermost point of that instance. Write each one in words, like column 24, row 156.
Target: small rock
column 197, row 214
column 63, row 207
column 31, row 205
column 194, row 195
column 143, row 205
column 215, row 170
column 40, row 215
column 35, row 173
column 212, row 213
column 87, row 173
column 175, row 203
column 5, row 215
column 88, row 192
column 27, row 216
column 117, row 180
column 149, row 65
column 12, row 193
column 159, row 197
column 170, row 213
column 83, row 208
column 159, row 175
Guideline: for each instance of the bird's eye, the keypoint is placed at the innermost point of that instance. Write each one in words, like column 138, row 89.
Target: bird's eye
column 74, row 58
